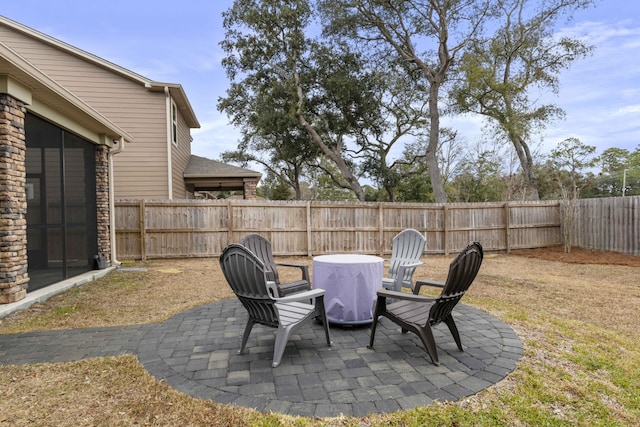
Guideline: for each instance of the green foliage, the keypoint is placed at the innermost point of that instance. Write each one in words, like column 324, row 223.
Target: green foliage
column 619, row 168
column 569, row 159
column 323, row 184
column 281, row 192
column 296, row 98
column 274, row 188
column 501, row 72
column 261, row 102
column 320, row 113
column 481, row 179
column 545, row 177
column 423, row 37
column 324, row 188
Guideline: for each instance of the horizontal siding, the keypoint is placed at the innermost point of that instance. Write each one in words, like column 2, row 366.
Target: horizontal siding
column 140, row 171
column 181, row 153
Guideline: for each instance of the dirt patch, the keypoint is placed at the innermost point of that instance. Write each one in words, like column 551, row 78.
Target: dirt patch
column 579, row 256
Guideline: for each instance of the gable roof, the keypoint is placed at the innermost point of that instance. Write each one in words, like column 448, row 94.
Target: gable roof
column 176, row 90
column 15, row 67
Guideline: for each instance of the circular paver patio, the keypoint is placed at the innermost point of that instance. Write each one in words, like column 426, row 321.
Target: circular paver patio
column 196, row 352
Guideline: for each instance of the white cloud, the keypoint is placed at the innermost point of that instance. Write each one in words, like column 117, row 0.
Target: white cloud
column 214, row 137
column 629, row 110
column 601, row 32
column 600, row 93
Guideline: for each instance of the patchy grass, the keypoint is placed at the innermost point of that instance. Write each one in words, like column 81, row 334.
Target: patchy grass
column 578, row 323
column 127, row 298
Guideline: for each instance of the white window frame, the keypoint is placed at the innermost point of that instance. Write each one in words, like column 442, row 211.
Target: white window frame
column 174, row 123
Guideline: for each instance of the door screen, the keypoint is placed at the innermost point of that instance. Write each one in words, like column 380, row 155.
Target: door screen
column 61, row 203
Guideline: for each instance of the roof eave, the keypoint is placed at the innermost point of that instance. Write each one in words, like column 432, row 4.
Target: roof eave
column 235, row 175
column 73, row 50
column 22, row 69
column 178, row 94
column 176, row 90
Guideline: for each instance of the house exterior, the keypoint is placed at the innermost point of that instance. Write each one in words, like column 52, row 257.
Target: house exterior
column 77, row 132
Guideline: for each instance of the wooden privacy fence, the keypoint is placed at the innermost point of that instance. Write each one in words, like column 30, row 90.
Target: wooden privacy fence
column 197, row 228
column 611, row 224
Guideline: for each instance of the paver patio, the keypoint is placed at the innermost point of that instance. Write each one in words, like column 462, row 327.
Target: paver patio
column 195, row 352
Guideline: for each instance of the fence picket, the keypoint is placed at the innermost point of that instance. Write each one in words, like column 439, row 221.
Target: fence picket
column 199, row 228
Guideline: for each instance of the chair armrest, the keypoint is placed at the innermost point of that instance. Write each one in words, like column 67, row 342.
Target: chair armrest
column 403, row 267
column 421, row 283
column 301, row 296
column 397, row 285
column 404, row 296
column 304, row 268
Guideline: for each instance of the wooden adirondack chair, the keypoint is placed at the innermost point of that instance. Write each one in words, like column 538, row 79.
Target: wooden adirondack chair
column 418, row 313
column 406, row 250
column 261, row 247
column 246, row 275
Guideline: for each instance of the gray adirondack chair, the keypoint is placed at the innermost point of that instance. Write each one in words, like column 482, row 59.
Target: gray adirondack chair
column 418, row 313
column 261, row 247
column 406, row 250
column 246, row 275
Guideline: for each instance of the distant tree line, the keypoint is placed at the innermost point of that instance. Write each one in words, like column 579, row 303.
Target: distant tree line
column 486, row 174
column 344, row 99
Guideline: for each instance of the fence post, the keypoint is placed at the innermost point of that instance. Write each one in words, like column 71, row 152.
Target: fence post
column 143, row 232
column 309, row 231
column 229, row 221
column 381, row 228
column 507, row 225
column 445, row 228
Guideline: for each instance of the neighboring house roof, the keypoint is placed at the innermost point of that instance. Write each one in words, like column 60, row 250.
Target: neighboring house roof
column 176, row 90
column 29, row 83
column 211, row 175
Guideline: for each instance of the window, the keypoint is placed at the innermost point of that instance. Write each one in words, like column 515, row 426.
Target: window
column 174, row 123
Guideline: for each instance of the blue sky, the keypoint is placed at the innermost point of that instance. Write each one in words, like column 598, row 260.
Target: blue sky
column 178, row 42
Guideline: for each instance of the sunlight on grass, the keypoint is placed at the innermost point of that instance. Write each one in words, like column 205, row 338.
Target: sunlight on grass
column 64, row 311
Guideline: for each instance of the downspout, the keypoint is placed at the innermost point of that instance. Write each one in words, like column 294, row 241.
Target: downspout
column 112, row 205
column 169, row 142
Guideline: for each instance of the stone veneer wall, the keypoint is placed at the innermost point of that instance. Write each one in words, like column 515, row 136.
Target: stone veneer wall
column 14, row 278
column 102, row 201
column 250, row 189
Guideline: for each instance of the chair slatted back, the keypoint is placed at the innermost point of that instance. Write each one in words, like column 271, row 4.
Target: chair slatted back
column 407, row 247
column 260, row 246
column 245, row 274
column 462, row 271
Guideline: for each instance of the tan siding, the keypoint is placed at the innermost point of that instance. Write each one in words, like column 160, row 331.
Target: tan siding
column 181, row 152
column 141, row 169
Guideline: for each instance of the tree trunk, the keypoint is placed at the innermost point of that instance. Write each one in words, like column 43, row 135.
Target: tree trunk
column 432, row 147
column 390, row 193
column 526, row 162
column 342, row 166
